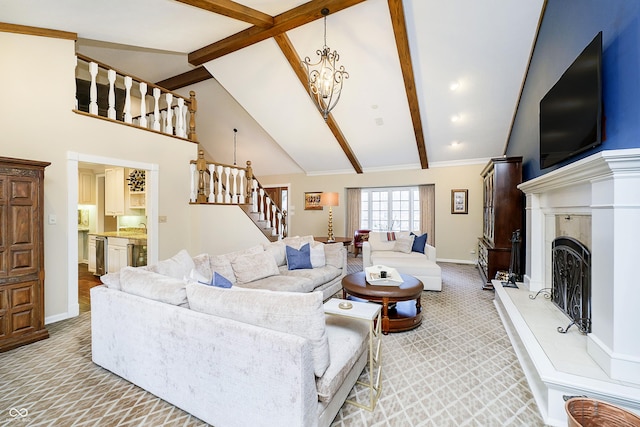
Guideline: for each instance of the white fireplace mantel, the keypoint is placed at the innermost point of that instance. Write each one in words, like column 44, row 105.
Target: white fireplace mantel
column 605, row 186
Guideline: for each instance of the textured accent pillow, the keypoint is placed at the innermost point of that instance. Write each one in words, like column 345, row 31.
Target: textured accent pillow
column 334, row 255
column 403, row 244
column 178, row 266
column 419, row 243
column 250, row 267
column 112, row 280
column 220, row 281
column 155, row 286
column 221, row 265
column 277, row 249
column 203, row 265
column 299, row 259
column 391, row 236
column 295, row 313
column 317, row 255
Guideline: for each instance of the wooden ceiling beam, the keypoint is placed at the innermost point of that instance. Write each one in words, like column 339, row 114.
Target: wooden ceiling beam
column 296, row 17
column 402, row 42
column 191, row 77
column 233, row 10
column 294, row 60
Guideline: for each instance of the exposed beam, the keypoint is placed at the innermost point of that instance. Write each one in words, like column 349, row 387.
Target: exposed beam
column 402, row 42
column 37, row 31
column 194, row 76
column 286, row 21
column 294, row 60
column 233, row 10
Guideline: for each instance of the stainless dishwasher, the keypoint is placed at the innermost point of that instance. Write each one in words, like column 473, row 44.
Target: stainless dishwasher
column 101, row 255
column 137, row 252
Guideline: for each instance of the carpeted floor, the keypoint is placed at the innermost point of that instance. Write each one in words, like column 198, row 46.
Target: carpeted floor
column 457, row 369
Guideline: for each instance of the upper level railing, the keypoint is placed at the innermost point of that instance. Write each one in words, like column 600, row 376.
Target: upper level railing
column 103, row 91
column 217, row 183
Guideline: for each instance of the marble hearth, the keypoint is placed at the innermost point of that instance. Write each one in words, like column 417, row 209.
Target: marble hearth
column 605, row 364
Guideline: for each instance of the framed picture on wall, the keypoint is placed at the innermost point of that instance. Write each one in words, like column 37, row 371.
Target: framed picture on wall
column 312, row 201
column 459, row 201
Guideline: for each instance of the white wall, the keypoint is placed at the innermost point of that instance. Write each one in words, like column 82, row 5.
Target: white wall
column 456, row 235
column 38, row 123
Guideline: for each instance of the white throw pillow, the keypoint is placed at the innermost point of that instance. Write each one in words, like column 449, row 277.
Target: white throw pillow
column 152, row 285
column 250, row 267
column 403, row 244
column 334, row 255
column 221, row 265
column 317, row 255
column 203, row 265
column 178, row 266
column 277, row 250
column 296, row 313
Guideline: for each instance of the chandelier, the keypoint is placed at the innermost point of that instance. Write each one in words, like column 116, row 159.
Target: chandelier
column 325, row 80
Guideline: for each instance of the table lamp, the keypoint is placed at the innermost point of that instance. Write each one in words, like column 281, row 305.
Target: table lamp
column 329, row 199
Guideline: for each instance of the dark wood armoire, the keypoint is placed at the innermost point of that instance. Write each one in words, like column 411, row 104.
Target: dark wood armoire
column 21, row 252
column 502, row 215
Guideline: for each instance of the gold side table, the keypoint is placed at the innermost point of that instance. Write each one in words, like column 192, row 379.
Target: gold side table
column 372, row 313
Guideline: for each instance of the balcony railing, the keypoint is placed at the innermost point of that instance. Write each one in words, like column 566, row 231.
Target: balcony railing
column 217, row 183
column 103, row 91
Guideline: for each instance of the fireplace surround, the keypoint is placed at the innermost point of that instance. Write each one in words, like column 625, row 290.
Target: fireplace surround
column 605, row 363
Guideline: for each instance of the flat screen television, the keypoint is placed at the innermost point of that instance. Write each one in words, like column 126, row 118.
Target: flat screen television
column 571, row 119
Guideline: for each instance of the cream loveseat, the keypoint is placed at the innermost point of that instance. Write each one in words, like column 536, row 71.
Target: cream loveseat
column 231, row 357
column 377, row 250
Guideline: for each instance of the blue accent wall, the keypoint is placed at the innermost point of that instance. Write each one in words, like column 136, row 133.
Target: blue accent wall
column 567, row 27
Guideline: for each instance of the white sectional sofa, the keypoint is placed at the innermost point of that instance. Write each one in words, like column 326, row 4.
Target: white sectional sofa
column 231, row 357
column 377, row 250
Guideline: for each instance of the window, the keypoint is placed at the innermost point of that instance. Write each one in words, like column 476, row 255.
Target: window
column 394, row 209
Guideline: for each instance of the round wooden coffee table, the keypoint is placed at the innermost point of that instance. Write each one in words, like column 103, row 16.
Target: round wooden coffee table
column 404, row 313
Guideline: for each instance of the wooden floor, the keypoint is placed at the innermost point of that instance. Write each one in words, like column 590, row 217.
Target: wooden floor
column 86, row 281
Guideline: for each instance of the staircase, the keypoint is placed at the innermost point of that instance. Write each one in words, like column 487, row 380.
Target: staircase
column 216, row 183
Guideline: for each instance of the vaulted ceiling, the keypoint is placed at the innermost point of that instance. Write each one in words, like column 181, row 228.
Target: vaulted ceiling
column 397, row 109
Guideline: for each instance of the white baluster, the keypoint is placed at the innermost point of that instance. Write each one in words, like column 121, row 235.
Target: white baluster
column 254, row 195
column 267, row 211
column 219, row 196
column 243, row 187
column 143, row 104
column 163, row 120
column 280, row 227
column 185, row 122
column 168, row 128
column 93, row 89
column 234, row 196
column 180, row 119
column 192, row 194
column 274, row 215
column 128, row 81
column 156, row 109
column 261, row 205
column 212, row 197
column 111, row 112
column 227, row 193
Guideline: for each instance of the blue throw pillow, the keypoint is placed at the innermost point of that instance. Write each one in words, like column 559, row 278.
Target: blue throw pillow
column 298, row 259
column 218, row 280
column 419, row 243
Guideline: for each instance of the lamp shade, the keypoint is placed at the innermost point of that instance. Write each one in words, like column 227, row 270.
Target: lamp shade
column 329, row 199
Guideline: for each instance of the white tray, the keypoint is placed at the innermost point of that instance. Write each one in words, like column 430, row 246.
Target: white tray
column 372, row 275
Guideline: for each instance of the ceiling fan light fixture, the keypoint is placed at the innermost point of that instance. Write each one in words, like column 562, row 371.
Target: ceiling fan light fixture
column 324, row 77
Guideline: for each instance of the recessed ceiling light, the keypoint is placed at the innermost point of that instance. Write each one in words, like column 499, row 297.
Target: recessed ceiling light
column 379, row 121
column 454, row 85
column 455, row 118
column 455, row 144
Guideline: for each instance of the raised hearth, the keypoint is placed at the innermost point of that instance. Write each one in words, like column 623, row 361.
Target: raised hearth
column 602, row 187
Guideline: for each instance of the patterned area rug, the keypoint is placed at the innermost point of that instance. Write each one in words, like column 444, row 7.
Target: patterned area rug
column 456, row 369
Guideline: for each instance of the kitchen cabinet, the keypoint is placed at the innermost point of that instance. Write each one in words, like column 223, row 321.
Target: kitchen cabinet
column 21, row 252
column 114, row 191
column 116, row 253
column 136, row 195
column 86, row 187
column 92, row 253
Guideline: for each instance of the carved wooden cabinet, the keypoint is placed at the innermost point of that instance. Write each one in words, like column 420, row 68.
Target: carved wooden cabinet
column 502, row 215
column 21, row 252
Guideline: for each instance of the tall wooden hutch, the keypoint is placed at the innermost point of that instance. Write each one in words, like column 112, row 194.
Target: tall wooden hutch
column 21, row 252
column 502, row 215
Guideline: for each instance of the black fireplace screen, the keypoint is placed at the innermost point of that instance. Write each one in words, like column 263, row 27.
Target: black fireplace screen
column 571, row 290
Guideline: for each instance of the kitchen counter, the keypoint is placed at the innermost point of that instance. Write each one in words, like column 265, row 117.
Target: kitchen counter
column 124, row 234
